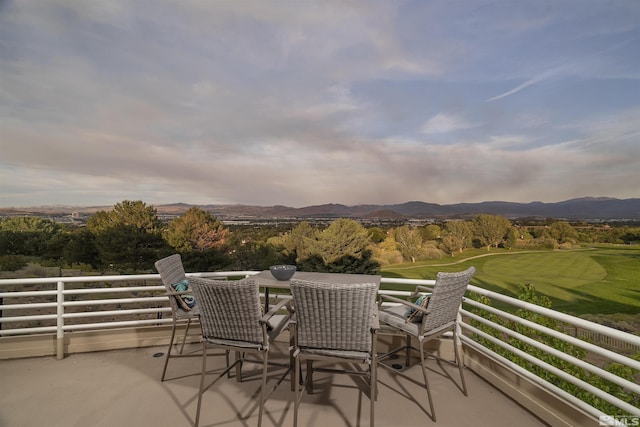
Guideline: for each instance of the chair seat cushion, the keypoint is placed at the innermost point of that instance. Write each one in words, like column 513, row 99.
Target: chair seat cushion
column 395, row 316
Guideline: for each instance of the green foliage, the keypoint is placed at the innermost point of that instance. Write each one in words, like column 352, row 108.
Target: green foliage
column 528, row 294
column 490, row 230
column 128, row 238
column 26, row 224
column 196, row 230
column 342, row 246
column 12, row 262
column 81, row 249
column 430, row 232
column 209, row 260
column 409, row 242
column 386, row 252
column 258, row 256
column 343, row 237
column 26, row 235
column 299, row 242
column 376, row 235
column 563, row 232
column 456, row 236
column 511, row 239
column 347, row 264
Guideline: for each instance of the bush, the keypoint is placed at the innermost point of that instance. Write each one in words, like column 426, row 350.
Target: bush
column 12, row 262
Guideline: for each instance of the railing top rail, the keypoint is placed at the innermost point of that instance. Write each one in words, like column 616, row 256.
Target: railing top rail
column 114, row 278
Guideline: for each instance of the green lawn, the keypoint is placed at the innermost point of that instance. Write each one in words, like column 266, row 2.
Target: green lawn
column 597, row 280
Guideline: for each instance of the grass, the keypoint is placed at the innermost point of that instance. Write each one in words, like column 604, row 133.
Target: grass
column 603, row 279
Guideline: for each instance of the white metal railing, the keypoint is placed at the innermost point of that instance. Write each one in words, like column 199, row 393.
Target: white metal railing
column 63, row 308
column 501, row 336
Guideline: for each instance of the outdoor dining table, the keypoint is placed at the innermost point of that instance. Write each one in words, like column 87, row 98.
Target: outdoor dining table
column 267, row 281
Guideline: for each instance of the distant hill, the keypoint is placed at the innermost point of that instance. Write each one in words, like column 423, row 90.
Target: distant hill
column 587, row 208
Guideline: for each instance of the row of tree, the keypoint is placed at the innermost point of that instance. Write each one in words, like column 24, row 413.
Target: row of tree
column 130, row 238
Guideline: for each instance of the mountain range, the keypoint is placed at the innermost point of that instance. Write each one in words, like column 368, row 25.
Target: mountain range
column 587, row 208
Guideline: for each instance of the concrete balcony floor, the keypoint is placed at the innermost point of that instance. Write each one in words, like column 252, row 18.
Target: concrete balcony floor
column 123, row 388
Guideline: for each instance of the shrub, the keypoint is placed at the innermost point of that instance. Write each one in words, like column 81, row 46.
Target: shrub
column 12, row 262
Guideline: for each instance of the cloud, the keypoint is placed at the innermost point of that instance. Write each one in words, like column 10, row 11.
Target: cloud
column 445, row 123
column 550, row 74
column 314, row 102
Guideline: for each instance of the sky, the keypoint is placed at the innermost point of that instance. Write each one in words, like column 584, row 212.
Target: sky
column 301, row 103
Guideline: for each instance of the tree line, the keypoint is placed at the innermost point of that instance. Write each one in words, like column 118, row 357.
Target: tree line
column 130, row 238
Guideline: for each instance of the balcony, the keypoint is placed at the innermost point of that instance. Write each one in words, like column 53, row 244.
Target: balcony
column 108, row 333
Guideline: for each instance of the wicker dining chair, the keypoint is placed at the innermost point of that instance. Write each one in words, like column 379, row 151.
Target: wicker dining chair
column 231, row 319
column 172, row 273
column 437, row 314
column 335, row 323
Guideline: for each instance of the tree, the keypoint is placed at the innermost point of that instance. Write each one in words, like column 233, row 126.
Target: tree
column 29, row 224
column 196, row 230
column 81, row 249
column 252, row 255
column 341, row 247
column 343, row 237
column 511, row 239
column 490, row 230
column 430, row 232
column 135, row 214
column 409, row 241
column 377, row 234
column 26, row 235
column 456, row 237
column 386, row 252
column 298, row 242
column 563, row 232
column 129, row 236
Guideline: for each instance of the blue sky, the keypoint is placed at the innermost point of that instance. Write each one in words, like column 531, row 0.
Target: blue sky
column 307, row 102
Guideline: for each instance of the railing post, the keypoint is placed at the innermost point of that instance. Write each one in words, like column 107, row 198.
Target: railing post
column 60, row 322
column 1, row 303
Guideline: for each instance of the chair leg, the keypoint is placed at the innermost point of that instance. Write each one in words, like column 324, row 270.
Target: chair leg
column 238, row 362
column 407, row 354
column 309, row 378
column 292, row 360
column 265, row 359
column 166, row 359
column 459, row 362
column 297, row 388
column 426, row 381
column 373, row 378
column 184, row 339
column 202, row 375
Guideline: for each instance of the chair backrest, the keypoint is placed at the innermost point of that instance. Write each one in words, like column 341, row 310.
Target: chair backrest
column 171, row 270
column 446, row 298
column 334, row 316
column 229, row 309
